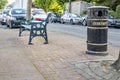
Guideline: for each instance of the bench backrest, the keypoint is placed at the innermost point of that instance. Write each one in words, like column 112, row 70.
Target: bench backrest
column 47, row 19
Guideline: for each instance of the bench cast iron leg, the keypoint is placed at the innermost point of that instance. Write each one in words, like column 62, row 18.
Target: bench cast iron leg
column 20, row 31
column 46, row 37
column 30, row 37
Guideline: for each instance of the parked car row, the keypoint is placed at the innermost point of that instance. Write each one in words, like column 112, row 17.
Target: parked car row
column 65, row 18
column 75, row 19
column 13, row 17
column 83, row 20
column 3, row 16
column 112, row 22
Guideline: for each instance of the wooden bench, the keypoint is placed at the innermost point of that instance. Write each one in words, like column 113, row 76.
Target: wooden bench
column 36, row 28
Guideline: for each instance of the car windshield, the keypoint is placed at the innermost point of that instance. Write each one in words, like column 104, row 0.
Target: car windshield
column 110, row 17
column 38, row 12
column 5, row 11
column 75, row 16
column 18, row 11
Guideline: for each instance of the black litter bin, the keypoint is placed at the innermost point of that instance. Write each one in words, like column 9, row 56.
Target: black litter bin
column 97, row 30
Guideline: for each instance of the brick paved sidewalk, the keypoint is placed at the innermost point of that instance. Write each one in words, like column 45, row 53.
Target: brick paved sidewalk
column 53, row 61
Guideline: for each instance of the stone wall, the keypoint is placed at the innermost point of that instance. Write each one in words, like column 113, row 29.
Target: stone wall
column 77, row 7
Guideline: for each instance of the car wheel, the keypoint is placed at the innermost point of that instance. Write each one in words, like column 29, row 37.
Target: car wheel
column 7, row 24
column 2, row 23
column 84, row 23
column 71, row 22
column 10, row 25
column 62, row 21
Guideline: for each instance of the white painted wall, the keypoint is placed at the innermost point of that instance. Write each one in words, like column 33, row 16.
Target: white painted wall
column 78, row 7
column 20, row 4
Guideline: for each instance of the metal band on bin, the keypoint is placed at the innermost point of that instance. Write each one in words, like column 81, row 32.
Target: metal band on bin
column 97, row 52
column 98, row 19
column 97, row 44
column 98, row 27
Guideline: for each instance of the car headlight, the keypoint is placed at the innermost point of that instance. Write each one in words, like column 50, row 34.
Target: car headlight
column 13, row 18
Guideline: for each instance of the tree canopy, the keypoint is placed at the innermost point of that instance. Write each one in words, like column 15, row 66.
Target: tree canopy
column 46, row 4
column 42, row 4
column 111, row 4
column 49, row 5
column 55, row 7
column 3, row 3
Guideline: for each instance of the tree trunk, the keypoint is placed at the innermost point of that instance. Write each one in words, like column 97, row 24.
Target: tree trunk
column 69, row 6
column 29, row 6
column 116, row 64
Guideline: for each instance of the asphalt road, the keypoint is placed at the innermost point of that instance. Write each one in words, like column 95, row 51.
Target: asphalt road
column 81, row 31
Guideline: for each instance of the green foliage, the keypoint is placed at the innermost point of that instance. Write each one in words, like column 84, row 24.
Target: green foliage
column 84, row 12
column 61, row 2
column 114, row 4
column 111, row 4
column 3, row 3
column 104, row 3
column 59, row 5
column 49, row 5
column 111, row 12
column 118, row 11
column 55, row 7
column 64, row 1
column 44, row 4
column 87, row 0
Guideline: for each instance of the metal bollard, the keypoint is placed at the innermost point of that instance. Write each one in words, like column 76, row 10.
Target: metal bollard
column 97, row 30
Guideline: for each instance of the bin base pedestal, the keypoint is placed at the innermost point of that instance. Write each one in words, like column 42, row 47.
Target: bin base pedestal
column 97, row 53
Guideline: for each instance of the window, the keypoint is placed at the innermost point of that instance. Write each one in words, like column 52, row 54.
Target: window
column 18, row 11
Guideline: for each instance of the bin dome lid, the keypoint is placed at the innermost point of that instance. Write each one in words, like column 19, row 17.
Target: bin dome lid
column 98, row 7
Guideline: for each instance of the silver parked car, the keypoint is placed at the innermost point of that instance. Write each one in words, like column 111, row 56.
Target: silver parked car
column 70, row 18
column 15, row 16
column 39, row 14
column 83, row 20
column 3, row 16
column 113, row 22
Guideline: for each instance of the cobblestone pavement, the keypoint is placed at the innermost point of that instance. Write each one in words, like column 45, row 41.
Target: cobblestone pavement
column 64, row 58
column 96, row 70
